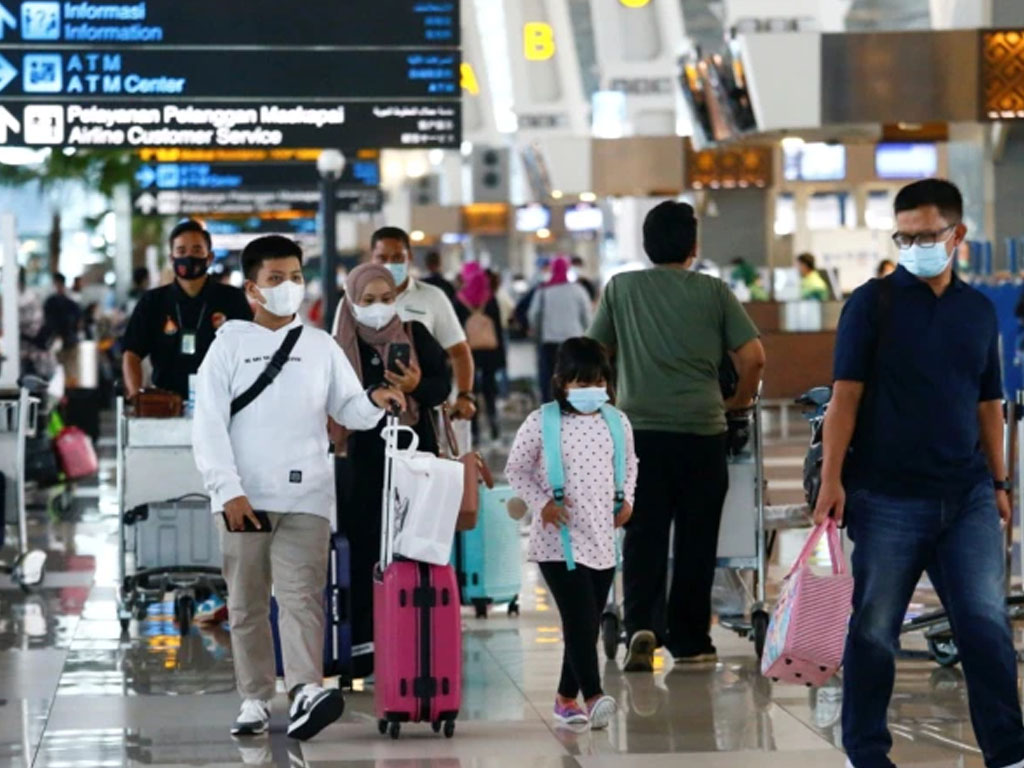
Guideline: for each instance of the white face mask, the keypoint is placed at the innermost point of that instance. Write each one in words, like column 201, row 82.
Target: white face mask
column 285, row 299
column 375, row 316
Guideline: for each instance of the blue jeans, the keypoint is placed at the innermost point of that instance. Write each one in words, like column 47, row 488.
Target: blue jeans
column 959, row 542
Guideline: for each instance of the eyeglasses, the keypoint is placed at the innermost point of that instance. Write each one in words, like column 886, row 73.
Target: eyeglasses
column 924, row 239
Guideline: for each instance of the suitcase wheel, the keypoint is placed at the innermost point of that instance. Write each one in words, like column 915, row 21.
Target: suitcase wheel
column 449, row 728
column 436, row 726
column 480, row 607
column 513, row 607
column 382, row 727
column 394, row 730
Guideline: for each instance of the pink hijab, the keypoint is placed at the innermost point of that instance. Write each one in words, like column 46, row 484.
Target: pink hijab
column 476, row 286
column 560, row 271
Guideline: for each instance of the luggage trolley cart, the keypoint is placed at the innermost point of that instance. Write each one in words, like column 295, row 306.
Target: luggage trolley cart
column 18, row 421
column 167, row 538
column 742, row 544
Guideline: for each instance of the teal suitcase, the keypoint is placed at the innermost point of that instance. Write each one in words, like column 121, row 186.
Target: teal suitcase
column 488, row 560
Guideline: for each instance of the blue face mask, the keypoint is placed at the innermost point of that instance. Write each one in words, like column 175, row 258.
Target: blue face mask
column 587, row 399
column 399, row 271
column 925, row 262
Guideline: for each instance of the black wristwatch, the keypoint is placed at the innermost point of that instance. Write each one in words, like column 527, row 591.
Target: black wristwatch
column 467, row 396
column 1003, row 485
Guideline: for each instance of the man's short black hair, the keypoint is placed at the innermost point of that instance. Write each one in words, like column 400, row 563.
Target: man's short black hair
column 670, row 233
column 808, row 260
column 432, row 261
column 391, row 233
column 59, row 279
column 140, row 275
column 584, row 361
column 943, row 194
column 267, row 248
column 190, row 225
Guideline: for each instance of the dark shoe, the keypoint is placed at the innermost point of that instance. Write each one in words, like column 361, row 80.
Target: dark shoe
column 313, row 709
column 640, row 656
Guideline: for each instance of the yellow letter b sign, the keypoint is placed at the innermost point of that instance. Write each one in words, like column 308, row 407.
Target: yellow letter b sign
column 538, row 41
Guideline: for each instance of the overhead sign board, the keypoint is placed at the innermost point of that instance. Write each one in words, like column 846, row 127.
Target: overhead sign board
column 236, row 22
column 113, row 125
column 231, row 73
column 251, row 202
column 156, row 176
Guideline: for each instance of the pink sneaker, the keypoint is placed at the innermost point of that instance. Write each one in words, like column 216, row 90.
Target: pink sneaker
column 570, row 714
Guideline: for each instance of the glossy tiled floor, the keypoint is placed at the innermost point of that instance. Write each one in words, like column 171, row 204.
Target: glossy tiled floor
column 73, row 692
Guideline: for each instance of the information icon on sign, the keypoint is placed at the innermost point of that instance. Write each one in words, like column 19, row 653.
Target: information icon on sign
column 43, row 73
column 40, row 21
column 44, row 124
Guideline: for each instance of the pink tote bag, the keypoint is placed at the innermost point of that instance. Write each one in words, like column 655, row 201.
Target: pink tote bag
column 807, row 632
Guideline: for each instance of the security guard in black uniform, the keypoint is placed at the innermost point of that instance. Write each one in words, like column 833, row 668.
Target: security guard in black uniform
column 175, row 324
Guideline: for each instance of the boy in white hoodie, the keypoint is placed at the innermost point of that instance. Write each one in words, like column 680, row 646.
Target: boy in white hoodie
column 266, row 466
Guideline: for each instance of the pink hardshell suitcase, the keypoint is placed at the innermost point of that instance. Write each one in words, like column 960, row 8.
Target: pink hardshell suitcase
column 76, row 453
column 417, row 633
column 808, row 628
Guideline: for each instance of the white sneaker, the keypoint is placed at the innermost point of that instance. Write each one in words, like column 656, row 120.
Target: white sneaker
column 601, row 713
column 313, row 709
column 253, row 720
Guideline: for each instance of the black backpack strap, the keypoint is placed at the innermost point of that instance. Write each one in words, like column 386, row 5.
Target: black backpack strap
column 266, row 378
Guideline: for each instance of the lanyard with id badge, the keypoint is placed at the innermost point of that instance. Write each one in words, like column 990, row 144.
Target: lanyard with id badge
column 188, row 338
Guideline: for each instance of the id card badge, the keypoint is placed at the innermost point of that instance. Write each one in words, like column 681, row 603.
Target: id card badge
column 188, row 343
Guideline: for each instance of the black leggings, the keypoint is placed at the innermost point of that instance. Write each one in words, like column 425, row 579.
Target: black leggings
column 580, row 596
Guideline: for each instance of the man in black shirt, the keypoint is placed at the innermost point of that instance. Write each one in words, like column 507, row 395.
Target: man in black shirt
column 175, row 324
column 62, row 313
column 435, row 277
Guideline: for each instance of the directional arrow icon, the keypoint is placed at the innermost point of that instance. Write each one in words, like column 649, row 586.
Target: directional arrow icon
column 8, row 122
column 146, row 203
column 6, row 20
column 7, row 72
column 145, row 177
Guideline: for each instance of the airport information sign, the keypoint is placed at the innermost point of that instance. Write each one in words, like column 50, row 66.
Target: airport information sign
column 229, row 73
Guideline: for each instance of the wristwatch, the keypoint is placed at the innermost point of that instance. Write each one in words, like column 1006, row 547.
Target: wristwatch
column 467, row 396
column 1003, row 485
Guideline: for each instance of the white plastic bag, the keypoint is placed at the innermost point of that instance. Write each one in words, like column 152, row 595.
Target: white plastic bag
column 424, row 498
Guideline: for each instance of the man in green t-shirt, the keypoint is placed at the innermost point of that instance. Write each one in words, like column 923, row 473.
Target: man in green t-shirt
column 669, row 329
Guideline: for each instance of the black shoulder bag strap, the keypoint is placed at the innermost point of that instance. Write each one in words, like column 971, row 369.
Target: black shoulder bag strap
column 266, row 378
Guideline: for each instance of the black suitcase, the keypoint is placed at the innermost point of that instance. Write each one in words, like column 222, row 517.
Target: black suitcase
column 41, row 461
column 82, row 410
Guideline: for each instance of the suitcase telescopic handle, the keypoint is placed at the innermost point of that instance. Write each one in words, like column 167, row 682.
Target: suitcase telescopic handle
column 387, row 499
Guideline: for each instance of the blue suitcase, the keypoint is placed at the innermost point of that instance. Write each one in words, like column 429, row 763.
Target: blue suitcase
column 337, row 624
column 487, row 559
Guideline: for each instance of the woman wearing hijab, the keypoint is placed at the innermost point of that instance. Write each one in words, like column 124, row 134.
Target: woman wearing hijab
column 560, row 310
column 369, row 325
column 480, row 315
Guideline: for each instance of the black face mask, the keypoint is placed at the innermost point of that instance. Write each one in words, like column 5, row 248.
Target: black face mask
column 190, row 267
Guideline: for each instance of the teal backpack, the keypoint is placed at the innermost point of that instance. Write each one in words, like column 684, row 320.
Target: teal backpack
column 551, row 430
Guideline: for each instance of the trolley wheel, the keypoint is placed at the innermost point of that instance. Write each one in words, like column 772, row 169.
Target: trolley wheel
column 449, row 728
column 394, row 730
column 382, row 727
column 436, row 726
column 610, row 635
column 943, row 649
column 513, row 607
column 759, row 628
column 184, row 610
column 480, row 607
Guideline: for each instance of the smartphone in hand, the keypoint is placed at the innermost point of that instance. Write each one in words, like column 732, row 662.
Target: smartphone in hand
column 399, row 352
column 263, row 517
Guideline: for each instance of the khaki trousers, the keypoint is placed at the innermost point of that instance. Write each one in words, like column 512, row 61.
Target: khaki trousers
column 293, row 559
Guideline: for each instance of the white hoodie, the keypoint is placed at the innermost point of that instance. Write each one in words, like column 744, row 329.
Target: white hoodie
column 275, row 451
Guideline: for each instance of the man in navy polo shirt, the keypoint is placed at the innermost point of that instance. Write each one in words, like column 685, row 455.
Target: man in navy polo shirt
column 914, row 461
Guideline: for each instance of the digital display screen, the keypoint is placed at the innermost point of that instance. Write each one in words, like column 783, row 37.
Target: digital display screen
column 906, row 161
column 530, row 218
column 584, row 218
column 815, row 162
